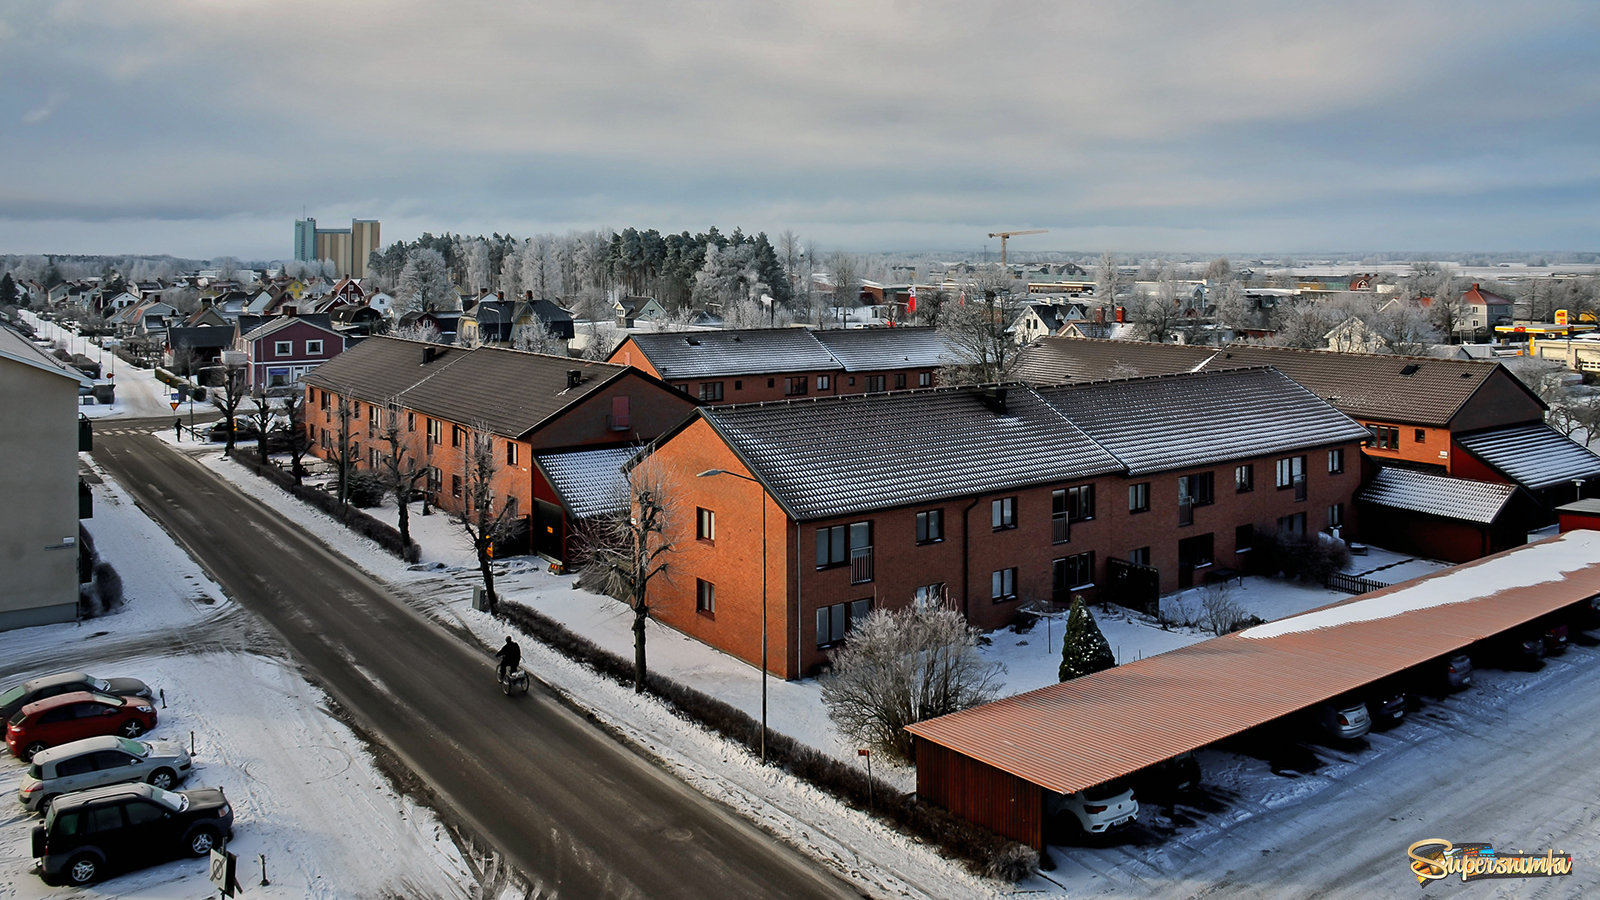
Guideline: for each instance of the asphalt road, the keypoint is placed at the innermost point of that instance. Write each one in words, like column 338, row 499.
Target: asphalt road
column 578, row 813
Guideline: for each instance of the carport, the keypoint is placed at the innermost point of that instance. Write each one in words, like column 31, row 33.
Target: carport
column 993, row 763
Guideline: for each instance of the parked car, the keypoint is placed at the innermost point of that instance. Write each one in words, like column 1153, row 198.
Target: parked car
column 1441, row 675
column 99, row 761
column 1554, row 634
column 89, row 834
column 243, row 430
column 1386, row 701
column 1165, row 781
column 1343, row 718
column 70, row 717
column 1095, row 810
column 1517, row 648
column 66, row 682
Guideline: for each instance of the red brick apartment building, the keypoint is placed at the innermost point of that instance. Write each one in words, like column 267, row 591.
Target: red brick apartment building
column 577, row 414
column 985, row 500
column 1466, row 423
column 756, row 365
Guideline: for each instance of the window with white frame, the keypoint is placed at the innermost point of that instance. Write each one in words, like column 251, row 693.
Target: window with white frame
column 1003, row 584
column 1003, row 513
column 313, row 348
column 835, row 621
column 705, row 524
column 705, row 596
column 929, row 596
column 1336, row 461
column 283, row 348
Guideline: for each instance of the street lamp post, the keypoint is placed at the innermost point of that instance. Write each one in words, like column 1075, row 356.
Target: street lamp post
column 706, row 474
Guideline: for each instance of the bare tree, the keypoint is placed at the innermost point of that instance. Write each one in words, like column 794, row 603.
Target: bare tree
column 184, row 359
column 398, row 472
column 603, row 338
column 843, row 271
column 536, row 337
column 975, row 333
column 294, row 410
column 484, row 517
column 1107, row 279
column 228, row 395
column 262, row 417
column 420, row 330
column 900, row 667
column 624, row 550
column 341, row 449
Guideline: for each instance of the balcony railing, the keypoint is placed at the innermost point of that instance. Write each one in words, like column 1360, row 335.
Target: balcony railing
column 860, row 565
column 1185, row 512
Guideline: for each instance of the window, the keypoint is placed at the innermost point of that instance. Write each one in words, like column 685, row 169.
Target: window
column 852, row 381
column 738, row 384
column 795, row 385
column 929, row 596
column 705, row 524
column 435, row 480
column 142, row 813
column 621, row 417
column 513, row 452
column 839, row 544
column 1336, row 461
column 770, row 382
column 372, row 416
column 1073, row 573
column 824, row 382
column 1292, row 473
column 1080, row 502
column 1003, row 513
column 1244, row 538
column 1420, row 436
column 455, row 486
column 924, row 379
column 1196, row 489
column 374, row 457
column 282, row 348
column 1384, row 437
column 710, row 391
column 1139, row 556
column 705, row 597
column 1003, row 584
column 1073, row 504
column 324, row 400
column 411, row 421
column 457, row 435
column 1139, row 497
column 511, row 507
column 876, row 383
column 834, row 622
column 930, row 526
column 1336, row 516
column 1244, row 478
column 1292, row 526
column 313, row 348
column 900, row 381
column 435, row 431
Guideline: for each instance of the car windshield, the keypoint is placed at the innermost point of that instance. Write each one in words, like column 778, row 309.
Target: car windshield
column 170, row 799
column 13, row 695
column 133, row 748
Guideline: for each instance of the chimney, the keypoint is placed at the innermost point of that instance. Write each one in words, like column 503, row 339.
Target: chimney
column 574, row 377
column 291, row 311
column 429, row 354
column 1099, row 315
column 500, row 295
column 483, row 292
column 1474, row 285
column 528, row 296
column 1122, row 314
column 994, row 398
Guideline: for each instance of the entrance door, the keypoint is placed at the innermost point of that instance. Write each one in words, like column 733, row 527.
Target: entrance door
column 549, row 531
column 1193, row 553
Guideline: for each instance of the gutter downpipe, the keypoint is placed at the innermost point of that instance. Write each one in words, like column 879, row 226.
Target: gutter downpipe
column 966, row 558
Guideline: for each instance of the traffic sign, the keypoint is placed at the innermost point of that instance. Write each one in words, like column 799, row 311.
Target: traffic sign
column 223, row 866
column 174, row 406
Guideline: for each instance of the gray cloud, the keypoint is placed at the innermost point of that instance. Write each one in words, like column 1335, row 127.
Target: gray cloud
column 177, row 126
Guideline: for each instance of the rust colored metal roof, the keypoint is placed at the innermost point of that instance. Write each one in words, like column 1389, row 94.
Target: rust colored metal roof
column 1081, row 733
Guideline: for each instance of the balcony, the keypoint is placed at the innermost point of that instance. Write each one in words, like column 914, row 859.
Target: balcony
column 1185, row 513
column 861, row 565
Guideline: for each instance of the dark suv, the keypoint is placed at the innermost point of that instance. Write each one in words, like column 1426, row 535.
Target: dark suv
column 127, row 826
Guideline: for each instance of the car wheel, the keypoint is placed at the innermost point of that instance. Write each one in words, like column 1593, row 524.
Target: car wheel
column 82, row 869
column 31, row 749
column 131, row 728
column 203, row 840
column 163, row 778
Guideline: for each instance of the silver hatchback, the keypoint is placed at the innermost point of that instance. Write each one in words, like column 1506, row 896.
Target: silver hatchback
column 97, row 761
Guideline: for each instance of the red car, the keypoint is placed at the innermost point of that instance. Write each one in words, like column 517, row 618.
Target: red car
column 70, row 717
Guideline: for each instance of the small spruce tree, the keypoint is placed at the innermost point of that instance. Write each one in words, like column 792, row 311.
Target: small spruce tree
column 1084, row 649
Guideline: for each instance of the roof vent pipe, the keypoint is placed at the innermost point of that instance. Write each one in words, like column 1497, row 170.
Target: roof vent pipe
column 574, row 377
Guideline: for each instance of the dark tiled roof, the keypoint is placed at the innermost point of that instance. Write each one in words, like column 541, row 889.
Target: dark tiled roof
column 1439, row 495
column 876, row 349
column 201, row 337
column 381, row 367
column 1535, row 456
column 839, row 455
column 1161, row 423
column 1409, row 389
column 589, row 482
column 508, row 390
column 714, row 354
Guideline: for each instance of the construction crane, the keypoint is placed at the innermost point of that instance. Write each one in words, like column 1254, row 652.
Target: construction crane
column 1005, row 235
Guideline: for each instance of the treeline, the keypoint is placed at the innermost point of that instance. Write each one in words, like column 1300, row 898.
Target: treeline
column 680, row 269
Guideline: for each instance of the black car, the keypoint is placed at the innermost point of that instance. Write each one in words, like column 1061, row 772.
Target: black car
column 1386, row 703
column 88, row 834
column 46, row 686
column 1168, row 780
column 1518, row 648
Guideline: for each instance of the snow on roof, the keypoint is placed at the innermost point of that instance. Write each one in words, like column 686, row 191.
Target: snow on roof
column 1439, row 495
column 589, row 482
column 1536, row 456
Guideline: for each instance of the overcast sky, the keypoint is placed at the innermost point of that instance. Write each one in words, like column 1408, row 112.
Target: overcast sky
column 206, row 127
